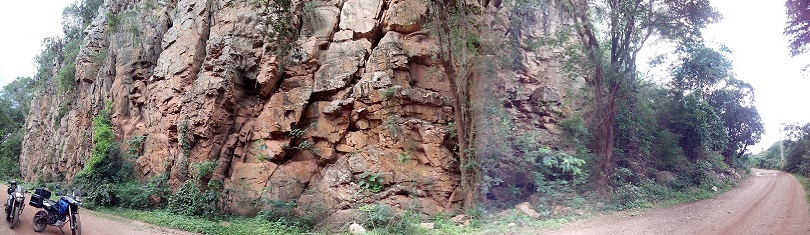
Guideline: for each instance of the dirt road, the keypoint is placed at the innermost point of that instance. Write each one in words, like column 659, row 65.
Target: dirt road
column 768, row 202
column 91, row 224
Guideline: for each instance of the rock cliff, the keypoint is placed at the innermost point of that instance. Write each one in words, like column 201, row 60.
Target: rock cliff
column 360, row 92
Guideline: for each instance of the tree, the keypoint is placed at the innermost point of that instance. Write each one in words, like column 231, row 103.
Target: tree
column 15, row 98
column 612, row 59
column 734, row 104
column 798, row 25
column 459, row 44
column 699, row 70
column 707, row 73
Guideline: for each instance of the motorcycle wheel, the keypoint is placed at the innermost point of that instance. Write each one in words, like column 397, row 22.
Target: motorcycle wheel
column 39, row 221
column 15, row 214
column 77, row 224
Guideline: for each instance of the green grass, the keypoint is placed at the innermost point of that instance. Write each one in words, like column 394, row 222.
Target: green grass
column 230, row 226
column 697, row 194
column 805, row 183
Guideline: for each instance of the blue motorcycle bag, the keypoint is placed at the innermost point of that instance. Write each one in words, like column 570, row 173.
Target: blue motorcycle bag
column 63, row 206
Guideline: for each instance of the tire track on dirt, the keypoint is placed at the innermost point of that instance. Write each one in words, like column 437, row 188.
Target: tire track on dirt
column 91, row 224
column 739, row 217
column 767, row 202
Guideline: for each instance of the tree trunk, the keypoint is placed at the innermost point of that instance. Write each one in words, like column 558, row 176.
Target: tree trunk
column 460, row 94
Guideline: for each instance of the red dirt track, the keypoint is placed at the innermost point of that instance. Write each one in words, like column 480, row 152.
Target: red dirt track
column 767, row 202
column 91, row 224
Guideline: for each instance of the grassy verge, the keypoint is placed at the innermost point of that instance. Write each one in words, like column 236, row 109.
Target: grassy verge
column 697, row 194
column 805, row 183
column 234, row 225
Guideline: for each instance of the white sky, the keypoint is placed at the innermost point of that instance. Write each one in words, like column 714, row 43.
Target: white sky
column 24, row 23
column 751, row 28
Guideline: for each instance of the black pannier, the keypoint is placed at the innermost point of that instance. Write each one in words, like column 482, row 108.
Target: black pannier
column 38, row 196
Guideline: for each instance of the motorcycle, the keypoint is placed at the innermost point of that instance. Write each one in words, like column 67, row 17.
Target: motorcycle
column 15, row 203
column 56, row 214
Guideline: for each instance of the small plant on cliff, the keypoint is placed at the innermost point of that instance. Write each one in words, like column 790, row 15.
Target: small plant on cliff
column 404, row 157
column 204, row 169
column 391, row 124
column 191, row 200
column 389, row 92
column 261, row 151
column 135, row 144
column 376, row 215
column 371, row 181
column 280, row 27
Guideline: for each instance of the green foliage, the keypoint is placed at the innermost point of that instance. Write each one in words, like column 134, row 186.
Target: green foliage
column 106, row 167
column 204, row 170
column 297, row 132
column 190, row 200
column 768, row 159
column 515, row 164
column 67, row 78
column 135, row 144
column 798, row 14
column 10, row 149
column 261, row 151
column 63, row 110
column 15, row 98
column 376, row 215
column 805, row 184
column 700, row 128
column 77, row 16
column 309, row 7
column 391, row 124
column 113, row 21
column 197, row 224
column 404, row 157
column 131, row 194
column 631, row 191
column 280, row 28
column 797, row 149
column 290, row 212
column 389, row 92
column 574, row 129
column 371, row 181
column 381, row 219
column 279, row 210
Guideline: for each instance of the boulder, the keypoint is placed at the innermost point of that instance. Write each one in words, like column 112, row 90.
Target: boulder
column 355, row 228
column 321, row 22
column 361, row 17
column 341, row 63
column 664, row 176
column 526, row 209
column 404, row 16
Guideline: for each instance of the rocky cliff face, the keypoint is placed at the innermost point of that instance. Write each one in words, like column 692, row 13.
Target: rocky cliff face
column 197, row 80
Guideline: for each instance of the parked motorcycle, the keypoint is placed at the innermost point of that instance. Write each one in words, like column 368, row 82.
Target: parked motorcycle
column 56, row 214
column 15, row 203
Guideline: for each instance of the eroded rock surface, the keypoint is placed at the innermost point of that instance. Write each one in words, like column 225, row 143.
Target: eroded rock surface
column 366, row 96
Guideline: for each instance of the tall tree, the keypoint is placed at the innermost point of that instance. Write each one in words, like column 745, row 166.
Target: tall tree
column 15, row 98
column 734, row 104
column 629, row 25
column 798, row 25
column 458, row 40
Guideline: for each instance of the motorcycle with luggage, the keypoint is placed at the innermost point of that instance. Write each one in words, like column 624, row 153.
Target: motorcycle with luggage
column 15, row 203
column 56, row 213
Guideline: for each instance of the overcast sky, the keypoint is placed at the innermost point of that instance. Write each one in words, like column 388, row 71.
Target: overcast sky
column 752, row 29
column 24, row 24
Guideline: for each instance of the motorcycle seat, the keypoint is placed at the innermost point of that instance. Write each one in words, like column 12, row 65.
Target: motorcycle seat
column 48, row 202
